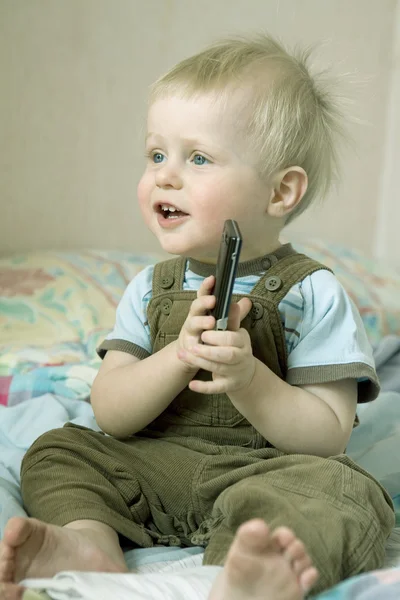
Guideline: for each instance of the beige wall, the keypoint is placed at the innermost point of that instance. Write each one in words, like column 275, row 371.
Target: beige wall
column 73, row 84
column 388, row 227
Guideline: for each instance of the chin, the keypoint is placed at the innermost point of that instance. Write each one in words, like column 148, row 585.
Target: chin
column 186, row 251
column 176, row 249
column 173, row 244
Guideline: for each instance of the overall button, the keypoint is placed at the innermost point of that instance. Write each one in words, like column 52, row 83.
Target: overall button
column 272, row 259
column 166, row 306
column 268, row 261
column 266, row 264
column 273, row 284
column 257, row 311
column 167, row 282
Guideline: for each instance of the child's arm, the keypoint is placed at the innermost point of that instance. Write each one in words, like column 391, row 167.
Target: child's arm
column 313, row 419
column 129, row 393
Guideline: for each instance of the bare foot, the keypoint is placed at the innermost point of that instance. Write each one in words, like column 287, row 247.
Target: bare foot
column 11, row 591
column 31, row 548
column 264, row 566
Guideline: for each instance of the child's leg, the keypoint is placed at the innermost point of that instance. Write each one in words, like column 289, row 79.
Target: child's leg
column 82, row 487
column 341, row 515
column 138, row 487
column 74, row 474
column 31, row 548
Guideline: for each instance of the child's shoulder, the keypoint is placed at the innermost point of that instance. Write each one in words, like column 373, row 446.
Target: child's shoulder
column 322, row 286
column 318, row 296
column 141, row 283
column 323, row 298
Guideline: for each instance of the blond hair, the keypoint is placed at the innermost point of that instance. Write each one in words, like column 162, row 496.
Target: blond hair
column 294, row 119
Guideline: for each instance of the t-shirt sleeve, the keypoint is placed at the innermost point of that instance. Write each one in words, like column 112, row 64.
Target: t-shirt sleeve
column 131, row 332
column 325, row 336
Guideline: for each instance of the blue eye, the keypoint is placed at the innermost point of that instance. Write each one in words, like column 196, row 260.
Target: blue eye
column 198, row 159
column 158, row 157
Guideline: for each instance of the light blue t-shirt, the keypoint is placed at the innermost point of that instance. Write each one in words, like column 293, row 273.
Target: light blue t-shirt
column 321, row 324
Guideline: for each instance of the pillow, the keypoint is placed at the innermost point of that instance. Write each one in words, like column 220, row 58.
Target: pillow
column 373, row 286
column 56, row 307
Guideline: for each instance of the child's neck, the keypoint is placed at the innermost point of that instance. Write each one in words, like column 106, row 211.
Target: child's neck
column 253, row 266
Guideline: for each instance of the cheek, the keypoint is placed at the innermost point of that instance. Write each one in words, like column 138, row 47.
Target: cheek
column 210, row 209
column 213, row 196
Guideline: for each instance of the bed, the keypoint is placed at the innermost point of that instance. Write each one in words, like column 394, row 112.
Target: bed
column 56, row 307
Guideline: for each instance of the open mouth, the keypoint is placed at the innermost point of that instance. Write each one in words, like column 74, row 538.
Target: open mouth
column 170, row 212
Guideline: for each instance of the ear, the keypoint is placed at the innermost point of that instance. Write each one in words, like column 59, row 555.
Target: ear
column 289, row 187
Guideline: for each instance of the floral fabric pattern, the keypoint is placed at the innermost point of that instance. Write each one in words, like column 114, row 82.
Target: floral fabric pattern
column 22, row 282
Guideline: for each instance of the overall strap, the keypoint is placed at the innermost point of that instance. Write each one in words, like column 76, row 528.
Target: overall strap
column 169, row 275
column 284, row 274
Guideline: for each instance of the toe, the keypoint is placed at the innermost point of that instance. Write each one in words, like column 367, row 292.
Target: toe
column 308, row 579
column 7, row 562
column 252, row 539
column 17, row 531
column 295, row 550
column 11, row 591
column 7, row 573
column 253, row 536
column 283, row 537
column 7, row 553
column 298, row 557
column 299, row 566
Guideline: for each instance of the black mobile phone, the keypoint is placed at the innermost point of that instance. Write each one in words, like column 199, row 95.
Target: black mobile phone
column 227, row 263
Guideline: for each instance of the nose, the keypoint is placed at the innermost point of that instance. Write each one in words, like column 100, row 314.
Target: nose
column 168, row 176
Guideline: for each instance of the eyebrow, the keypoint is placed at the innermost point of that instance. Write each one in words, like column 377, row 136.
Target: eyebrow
column 189, row 141
column 150, row 134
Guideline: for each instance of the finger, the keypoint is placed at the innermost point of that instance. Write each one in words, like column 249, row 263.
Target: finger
column 234, row 317
column 196, row 325
column 201, row 305
column 237, row 312
column 245, row 305
column 225, row 338
column 199, row 362
column 227, row 355
column 209, row 387
column 207, row 286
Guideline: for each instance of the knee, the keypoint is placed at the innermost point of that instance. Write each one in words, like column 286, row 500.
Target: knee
column 48, row 461
column 53, row 443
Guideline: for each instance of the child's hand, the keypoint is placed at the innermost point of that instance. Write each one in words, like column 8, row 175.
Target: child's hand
column 197, row 321
column 227, row 354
